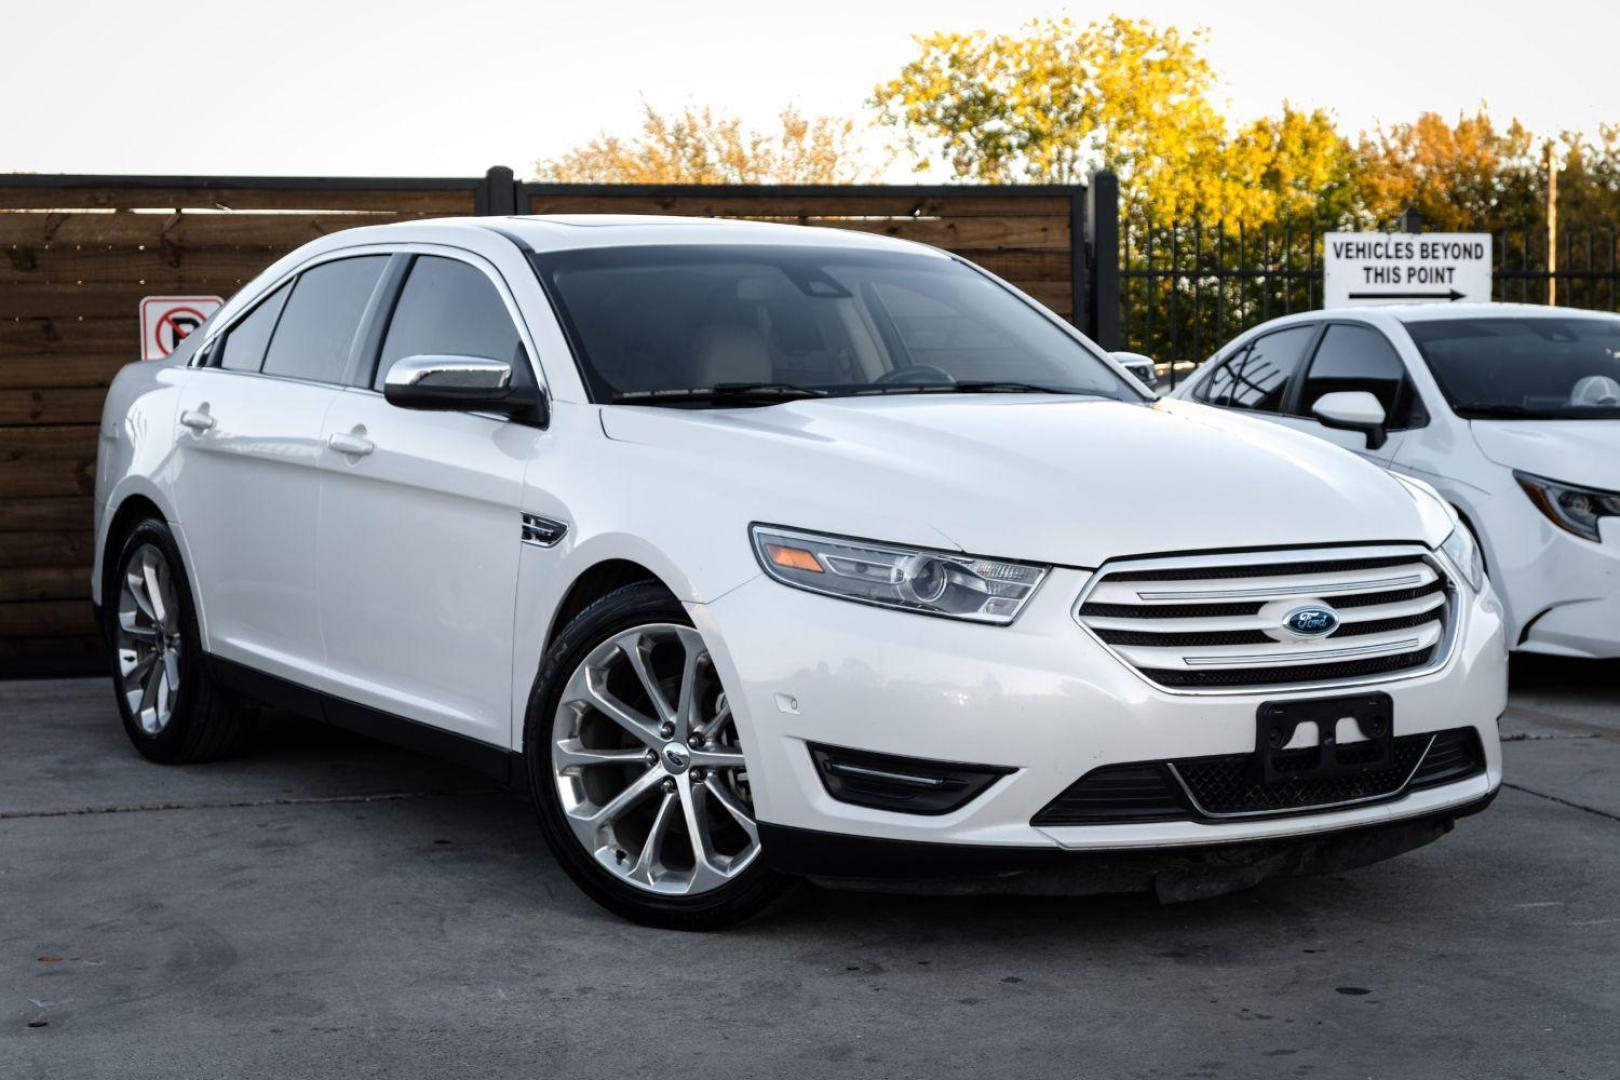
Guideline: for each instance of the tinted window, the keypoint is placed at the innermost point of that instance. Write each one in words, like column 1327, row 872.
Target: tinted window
column 833, row 319
column 1359, row 358
column 451, row 308
column 1554, row 368
column 243, row 347
column 1257, row 375
column 317, row 328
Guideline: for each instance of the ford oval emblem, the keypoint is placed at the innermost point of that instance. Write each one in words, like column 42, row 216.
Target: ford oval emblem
column 1311, row 621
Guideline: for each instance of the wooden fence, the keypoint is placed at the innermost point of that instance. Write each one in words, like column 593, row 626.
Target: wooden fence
column 81, row 252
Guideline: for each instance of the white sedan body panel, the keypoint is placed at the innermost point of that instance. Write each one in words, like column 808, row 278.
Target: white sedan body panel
column 398, row 578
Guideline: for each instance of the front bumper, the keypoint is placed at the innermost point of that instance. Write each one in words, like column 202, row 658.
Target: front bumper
column 1563, row 590
column 1040, row 698
column 1175, row 874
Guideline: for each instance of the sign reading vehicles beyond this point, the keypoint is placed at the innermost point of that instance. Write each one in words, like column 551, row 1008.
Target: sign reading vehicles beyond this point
column 1405, row 268
column 166, row 321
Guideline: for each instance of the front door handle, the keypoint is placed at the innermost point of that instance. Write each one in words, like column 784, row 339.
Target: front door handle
column 345, row 443
column 196, row 420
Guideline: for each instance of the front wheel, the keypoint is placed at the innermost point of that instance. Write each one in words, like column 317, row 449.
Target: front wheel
column 637, row 769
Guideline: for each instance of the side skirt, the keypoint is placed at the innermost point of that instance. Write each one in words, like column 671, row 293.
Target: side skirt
column 496, row 762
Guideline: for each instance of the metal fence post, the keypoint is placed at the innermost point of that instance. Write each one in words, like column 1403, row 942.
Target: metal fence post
column 1102, row 237
column 497, row 194
column 1080, row 312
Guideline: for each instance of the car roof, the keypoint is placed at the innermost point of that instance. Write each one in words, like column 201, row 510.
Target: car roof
column 1426, row 312
column 567, row 232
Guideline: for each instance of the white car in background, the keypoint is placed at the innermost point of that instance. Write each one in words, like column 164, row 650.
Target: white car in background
column 1511, row 412
column 1139, row 365
column 756, row 551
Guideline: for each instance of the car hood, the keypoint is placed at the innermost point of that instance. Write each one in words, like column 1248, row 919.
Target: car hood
column 1583, row 452
column 1069, row 481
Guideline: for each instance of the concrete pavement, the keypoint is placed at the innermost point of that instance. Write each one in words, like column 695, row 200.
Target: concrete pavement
column 329, row 907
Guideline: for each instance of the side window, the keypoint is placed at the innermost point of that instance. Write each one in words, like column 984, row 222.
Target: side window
column 1256, row 376
column 242, row 348
column 1361, row 358
column 317, row 327
column 450, row 308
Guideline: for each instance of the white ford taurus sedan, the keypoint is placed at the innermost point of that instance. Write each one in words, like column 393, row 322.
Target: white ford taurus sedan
column 757, row 552
column 1511, row 412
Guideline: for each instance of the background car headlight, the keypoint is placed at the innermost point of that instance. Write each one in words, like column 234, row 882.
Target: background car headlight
column 911, row 579
column 1464, row 554
column 1573, row 509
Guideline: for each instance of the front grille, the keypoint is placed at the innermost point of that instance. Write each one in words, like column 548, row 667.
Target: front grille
column 1215, row 623
column 1227, row 785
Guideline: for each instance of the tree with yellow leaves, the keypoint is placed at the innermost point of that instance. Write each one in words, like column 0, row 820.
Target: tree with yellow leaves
column 1464, row 176
column 1054, row 100
column 696, row 146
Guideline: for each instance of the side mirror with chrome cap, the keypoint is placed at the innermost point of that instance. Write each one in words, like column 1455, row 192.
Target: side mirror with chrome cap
column 1354, row 410
column 464, row 384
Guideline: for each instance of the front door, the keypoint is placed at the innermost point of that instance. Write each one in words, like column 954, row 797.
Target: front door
column 1351, row 356
column 420, row 529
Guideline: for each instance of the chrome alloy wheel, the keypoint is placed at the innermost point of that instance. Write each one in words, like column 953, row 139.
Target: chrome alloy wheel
column 148, row 639
column 647, row 763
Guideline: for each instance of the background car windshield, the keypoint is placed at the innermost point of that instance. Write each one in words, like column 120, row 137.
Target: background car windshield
column 1557, row 368
column 684, row 317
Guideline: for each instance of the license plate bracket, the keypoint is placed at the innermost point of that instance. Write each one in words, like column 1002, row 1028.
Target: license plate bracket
column 1278, row 722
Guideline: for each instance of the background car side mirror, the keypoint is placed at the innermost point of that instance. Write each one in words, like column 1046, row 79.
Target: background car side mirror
column 461, row 383
column 1353, row 410
column 1139, row 365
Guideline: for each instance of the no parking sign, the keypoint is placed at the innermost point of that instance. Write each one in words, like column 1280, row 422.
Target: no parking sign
column 167, row 320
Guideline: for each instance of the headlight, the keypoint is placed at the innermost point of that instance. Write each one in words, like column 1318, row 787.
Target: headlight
column 1464, row 554
column 1573, row 509
column 911, row 579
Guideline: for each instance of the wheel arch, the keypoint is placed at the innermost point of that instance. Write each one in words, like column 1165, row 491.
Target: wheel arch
column 133, row 503
column 595, row 582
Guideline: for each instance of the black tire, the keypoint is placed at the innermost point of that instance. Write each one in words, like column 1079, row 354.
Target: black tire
column 754, row 888
column 206, row 723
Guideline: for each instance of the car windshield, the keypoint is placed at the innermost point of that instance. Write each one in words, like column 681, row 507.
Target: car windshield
column 1532, row 368
column 740, row 324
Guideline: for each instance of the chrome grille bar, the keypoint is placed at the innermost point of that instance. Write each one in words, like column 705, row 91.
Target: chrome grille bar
column 1218, row 623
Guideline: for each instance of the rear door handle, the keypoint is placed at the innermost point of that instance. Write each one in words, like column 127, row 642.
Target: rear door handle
column 196, row 420
column 345, row 443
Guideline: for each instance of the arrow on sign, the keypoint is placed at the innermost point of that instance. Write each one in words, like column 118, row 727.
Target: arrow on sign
column 1453, row 296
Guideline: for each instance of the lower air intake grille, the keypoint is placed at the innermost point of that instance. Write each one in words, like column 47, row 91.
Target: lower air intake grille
column 1222, row 623
column 1115, row 794
column 1223, row 786
column 1455, row 755
column 1226, row 786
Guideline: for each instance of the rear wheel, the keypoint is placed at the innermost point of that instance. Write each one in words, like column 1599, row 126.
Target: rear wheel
column 637, row 769
column 173, row 712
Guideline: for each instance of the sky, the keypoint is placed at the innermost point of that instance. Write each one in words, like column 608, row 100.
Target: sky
column 418, row 88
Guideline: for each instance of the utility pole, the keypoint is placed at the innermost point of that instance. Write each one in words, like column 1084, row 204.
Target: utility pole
column 1552, row 227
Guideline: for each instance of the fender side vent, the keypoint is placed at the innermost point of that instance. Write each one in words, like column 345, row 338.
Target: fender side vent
column 542, row 532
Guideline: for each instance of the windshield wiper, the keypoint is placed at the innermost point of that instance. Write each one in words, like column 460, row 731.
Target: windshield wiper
column 741, row 392
column 1485, row 410
column 982, row 387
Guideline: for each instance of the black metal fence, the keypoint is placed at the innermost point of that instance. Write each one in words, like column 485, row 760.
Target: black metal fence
column 1186, row 289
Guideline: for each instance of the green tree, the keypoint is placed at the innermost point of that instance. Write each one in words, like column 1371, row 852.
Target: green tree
column 698, row 146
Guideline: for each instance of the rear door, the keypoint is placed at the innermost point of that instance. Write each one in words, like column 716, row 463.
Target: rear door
column 420, row 527
column 1257, row 376
column 247, row 482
